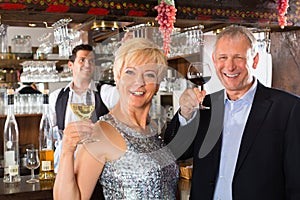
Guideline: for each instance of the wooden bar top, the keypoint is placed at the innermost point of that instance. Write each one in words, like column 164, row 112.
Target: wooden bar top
column 29, row 191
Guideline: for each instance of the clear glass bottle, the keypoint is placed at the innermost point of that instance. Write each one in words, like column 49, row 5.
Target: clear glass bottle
column 11, row 143
column 46, row 142
column 21, row 44
column 3, row 39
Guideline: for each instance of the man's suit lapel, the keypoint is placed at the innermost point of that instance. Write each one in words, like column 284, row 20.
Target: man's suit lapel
column 257, row 115
column 216, row 123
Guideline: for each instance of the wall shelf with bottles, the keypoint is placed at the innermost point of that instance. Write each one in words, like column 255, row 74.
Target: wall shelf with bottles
column 15, row 56
column 13, row 60
column 3, row 116
column 15, row 63
column 13, row 70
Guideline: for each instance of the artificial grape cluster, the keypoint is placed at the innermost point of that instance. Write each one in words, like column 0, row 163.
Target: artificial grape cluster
column 166, row 18
column 282, row 6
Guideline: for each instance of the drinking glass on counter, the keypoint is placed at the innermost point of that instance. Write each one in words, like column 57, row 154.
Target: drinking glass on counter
column 32, row 163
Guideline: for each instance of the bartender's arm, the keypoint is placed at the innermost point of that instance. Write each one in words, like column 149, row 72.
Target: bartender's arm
column 109, row 95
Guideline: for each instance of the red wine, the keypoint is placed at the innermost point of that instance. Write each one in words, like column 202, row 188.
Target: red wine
column 200, row 80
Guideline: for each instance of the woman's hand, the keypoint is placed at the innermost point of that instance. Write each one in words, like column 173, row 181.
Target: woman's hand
column 72, row 134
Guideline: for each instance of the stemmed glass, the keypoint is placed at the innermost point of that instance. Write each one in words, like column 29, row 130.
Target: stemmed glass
column 83, row 104
column 199, row 73
column 32, row 163
column 170, row 78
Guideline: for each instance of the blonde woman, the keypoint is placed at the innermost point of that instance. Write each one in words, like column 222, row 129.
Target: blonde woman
column 131, row 161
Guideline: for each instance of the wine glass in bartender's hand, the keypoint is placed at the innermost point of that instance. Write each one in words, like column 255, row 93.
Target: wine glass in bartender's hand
column 199, row 73
column 82, row 103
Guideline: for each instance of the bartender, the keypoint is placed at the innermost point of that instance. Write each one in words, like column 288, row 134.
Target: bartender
column 28, row 88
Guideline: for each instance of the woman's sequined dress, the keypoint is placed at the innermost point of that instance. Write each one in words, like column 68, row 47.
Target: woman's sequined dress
column 146, row 171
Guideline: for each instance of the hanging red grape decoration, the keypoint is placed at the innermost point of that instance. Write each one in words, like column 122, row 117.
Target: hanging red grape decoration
column 166, row 18
column 282, row 6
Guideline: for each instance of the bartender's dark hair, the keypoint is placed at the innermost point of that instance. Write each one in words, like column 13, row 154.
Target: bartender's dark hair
column 86, row 47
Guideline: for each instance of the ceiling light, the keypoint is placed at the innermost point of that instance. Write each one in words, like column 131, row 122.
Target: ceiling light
column 32, row 25
column 103, row 26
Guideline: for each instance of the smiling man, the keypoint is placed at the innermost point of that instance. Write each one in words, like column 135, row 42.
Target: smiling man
column 82, row 64
column 234, row 57
column 255, row 152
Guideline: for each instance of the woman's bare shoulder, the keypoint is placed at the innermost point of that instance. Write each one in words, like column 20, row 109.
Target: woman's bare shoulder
column 110, row 144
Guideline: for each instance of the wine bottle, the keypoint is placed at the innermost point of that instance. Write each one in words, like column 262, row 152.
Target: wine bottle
column 46, row 143
column 11, row 143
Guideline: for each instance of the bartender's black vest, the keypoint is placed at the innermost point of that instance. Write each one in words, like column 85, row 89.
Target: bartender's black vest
column 61, row 107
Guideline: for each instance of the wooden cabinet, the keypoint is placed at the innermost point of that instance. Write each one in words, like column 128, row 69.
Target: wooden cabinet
column 28, row 125
column 181, row 63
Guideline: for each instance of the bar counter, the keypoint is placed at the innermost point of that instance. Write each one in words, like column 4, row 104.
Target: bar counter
column 43, row 190
column 29, row 191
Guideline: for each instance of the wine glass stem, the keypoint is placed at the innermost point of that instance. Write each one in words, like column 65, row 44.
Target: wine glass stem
column 32, row 173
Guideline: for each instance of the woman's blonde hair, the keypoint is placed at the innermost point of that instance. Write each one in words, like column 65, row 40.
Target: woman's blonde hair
column 139, row 51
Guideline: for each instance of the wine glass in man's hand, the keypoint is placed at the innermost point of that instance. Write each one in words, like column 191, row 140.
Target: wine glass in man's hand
column 199, row 73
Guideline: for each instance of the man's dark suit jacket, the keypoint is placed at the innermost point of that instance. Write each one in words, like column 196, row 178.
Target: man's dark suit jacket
column 268, row 165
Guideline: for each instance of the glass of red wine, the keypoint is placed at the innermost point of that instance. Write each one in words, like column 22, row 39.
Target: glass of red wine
column 199, row 73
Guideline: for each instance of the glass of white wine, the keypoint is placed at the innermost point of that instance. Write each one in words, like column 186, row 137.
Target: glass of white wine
column 32, row 163
column 82, row 103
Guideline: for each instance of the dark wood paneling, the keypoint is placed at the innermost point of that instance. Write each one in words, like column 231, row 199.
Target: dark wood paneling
column 285, row 50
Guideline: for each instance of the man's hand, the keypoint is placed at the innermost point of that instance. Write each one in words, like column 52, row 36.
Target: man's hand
column 189, row 101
